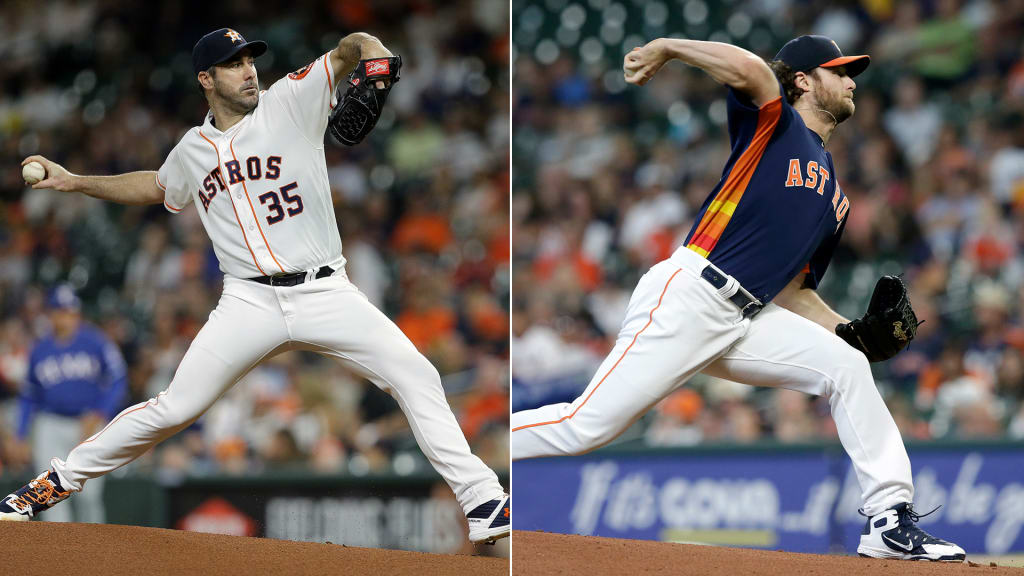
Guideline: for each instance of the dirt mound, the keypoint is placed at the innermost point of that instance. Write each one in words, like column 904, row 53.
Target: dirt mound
column 106, row 550
column 542, row 554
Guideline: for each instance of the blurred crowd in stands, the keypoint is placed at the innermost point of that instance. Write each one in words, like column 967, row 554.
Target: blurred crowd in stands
column 607, row 180
column 106, row 87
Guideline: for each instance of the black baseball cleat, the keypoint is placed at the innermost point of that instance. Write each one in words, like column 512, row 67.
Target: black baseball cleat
column 38, row 495
column 490, row 521
column 894, row 534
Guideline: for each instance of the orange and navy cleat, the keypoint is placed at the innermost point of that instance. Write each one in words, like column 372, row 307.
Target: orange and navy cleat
column 38, row 495
column 490, row 521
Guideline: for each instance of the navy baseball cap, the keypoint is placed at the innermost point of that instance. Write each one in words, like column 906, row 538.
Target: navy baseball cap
column 221, row 45
column 806, row 53
column 63, row 297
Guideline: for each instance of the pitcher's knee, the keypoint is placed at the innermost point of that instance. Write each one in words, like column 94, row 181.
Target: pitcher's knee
column 854, row 361
column 415, row 366
column 427, row 370
column 586, row 438
column 849, row 365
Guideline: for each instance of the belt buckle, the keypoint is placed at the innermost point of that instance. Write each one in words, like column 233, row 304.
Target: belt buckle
column 756, row 308
column 275, row 277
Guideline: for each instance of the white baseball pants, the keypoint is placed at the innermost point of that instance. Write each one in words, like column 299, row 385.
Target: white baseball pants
column 676, row 325
column 252, row 322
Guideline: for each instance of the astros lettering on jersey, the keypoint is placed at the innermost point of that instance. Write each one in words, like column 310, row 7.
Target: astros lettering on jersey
column 252, row 192
column 260, row 188
column 764, row 231
column 767, row 231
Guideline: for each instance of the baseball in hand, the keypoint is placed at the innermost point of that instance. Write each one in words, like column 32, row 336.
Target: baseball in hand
column 33, row 172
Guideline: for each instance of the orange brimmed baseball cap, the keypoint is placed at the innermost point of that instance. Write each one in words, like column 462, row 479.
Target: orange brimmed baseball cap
column 806, row 53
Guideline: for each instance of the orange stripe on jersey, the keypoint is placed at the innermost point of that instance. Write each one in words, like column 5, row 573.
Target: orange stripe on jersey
column 240, row 227
column 231, row 145
column 720, row 211
column 717, row 225
column 330, row 84
column 164, row 188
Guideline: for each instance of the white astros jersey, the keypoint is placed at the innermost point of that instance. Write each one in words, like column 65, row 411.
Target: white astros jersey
column 261, row 186
column 261, row 190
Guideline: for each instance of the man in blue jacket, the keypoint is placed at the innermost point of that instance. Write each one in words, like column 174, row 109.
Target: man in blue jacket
column 76, row 381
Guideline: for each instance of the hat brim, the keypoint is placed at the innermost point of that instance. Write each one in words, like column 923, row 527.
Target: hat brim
column 256, row 47
column 854, row 64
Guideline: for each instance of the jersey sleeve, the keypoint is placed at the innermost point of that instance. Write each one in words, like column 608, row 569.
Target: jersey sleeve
column 821, row 258
column 743, row 114
column 172, row 179
column 307, row 97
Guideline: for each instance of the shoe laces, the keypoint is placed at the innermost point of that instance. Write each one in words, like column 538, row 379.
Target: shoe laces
column 908, row 516
column 904, row 511
column 907, row 523
column 908, row 519
column 39, row 492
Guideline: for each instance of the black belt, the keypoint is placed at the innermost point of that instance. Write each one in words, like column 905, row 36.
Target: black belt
column 748, row 305
column 293, row 279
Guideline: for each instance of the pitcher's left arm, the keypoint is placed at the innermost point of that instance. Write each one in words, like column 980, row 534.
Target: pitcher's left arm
column 807, row 303
column 353, row 48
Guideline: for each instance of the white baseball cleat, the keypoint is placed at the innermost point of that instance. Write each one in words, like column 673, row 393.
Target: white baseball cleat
column 38, row 495
column 490, row 521
column 894, row 534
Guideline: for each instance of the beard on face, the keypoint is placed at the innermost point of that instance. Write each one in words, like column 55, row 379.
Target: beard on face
column 237, row 100
column 835, row 103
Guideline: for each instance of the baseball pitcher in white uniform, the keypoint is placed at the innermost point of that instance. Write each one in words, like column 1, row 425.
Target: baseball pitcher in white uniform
column 256, row 174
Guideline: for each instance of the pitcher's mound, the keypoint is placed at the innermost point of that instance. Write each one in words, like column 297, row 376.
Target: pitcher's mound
column 106, row 550
column 544, row 554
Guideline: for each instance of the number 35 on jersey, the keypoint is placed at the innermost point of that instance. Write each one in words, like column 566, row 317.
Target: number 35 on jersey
column 255, row 170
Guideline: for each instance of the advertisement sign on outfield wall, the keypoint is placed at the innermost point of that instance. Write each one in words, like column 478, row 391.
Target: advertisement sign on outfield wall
column 398, row 514
column 801, row 501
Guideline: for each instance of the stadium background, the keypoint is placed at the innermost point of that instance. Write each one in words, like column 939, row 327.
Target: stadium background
column 106, row 87
column 608, row 177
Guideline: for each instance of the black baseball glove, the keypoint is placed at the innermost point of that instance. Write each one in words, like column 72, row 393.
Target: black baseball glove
column 360, row 106
column 889, row 324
